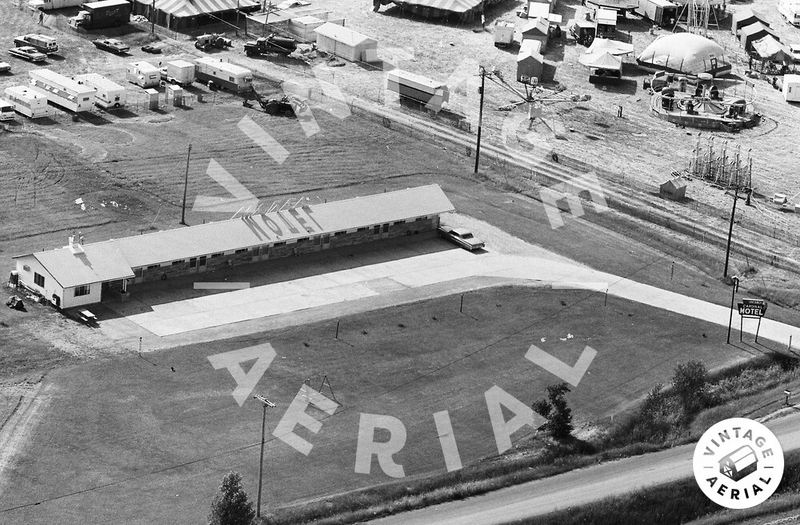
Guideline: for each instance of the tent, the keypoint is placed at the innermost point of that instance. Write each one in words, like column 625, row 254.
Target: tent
column 750, row 33
column 673, row 189
column 612, row 47
column 346, row 43
column 768, row 48
column 182, row 14
column 745, row 17
column 686, row 53
column 601, row 60
column 530, row 62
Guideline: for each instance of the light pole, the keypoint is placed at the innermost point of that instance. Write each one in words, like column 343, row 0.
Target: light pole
column 730, row 232
column 267, row 404
column 482, row 72
column 185, row 185
column 734, row 288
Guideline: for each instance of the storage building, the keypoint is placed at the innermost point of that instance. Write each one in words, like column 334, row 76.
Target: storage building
column 673, row 189
column 346, row 43
column 791, row 88
column 80, row 274
column 431, row 93
column 535, row 29
column 530, row 62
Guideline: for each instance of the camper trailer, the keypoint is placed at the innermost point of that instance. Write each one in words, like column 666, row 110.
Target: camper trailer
column 421, row 89
column 27, row 102
column 108, row 94
column 790, row 9
column 791, row 88
column 661, row 12
column 6, row 110
column 223, row 75
column 62, row 91
column 143, row 74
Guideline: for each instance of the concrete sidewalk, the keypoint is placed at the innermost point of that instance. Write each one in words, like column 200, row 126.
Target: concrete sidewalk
column 417, row 272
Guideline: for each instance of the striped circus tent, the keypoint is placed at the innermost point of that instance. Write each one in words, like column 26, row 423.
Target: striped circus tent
column 182, row 14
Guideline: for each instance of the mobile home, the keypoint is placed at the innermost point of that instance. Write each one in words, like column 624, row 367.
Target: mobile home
column 224, row 75
column 62, row 91
column 27, row 102
column 661, row 12
column 143, row 74
column 6, row 110
column 107, row 94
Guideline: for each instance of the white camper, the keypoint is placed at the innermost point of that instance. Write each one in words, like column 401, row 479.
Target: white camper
column 661, row 12
column 107, row 94
column 790, row 9
column 27, row 102
column 143, row 74
column 62, row 91
column 224, row 75
column 791, row 88
column 433, row 94
column 6, row 110
column 179, row 72
column 47, row 5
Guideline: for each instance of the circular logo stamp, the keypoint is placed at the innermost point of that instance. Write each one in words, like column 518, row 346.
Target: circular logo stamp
column 738, row 463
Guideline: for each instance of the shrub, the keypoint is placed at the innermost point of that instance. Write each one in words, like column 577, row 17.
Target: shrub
column 231, row 506
column 690, row 385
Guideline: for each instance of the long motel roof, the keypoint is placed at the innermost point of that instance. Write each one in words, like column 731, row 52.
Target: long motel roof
column 115, row 259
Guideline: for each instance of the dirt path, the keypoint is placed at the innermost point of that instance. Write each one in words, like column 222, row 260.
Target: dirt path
column 16, row 427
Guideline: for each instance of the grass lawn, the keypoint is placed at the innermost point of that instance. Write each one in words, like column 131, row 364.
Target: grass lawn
column 158, row 442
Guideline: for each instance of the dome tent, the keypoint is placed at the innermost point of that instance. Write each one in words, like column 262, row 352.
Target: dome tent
column 686, row 53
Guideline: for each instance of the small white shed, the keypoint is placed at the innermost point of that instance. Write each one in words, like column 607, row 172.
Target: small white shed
column 346, row 43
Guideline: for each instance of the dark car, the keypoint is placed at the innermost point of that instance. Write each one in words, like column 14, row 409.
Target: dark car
column 111, row 44
column 463, row 238
column 28, row 53
column 154, row 48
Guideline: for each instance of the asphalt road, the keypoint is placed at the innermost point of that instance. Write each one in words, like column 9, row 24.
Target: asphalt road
column 577, row 487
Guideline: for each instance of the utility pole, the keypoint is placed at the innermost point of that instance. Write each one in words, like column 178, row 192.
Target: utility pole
column 185, row 186
column 153, row 18
column 730, row 232
column 268, row 10
column 734, row 288
column 482, row 71
column 267, row 404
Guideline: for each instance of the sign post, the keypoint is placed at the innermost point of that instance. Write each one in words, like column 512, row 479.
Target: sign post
column 751, row 309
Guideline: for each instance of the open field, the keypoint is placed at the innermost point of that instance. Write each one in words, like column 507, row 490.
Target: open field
column 127, row 422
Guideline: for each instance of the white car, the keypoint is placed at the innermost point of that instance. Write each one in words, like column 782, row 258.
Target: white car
column 5, row 67
column 461, row 237
column 28, row 53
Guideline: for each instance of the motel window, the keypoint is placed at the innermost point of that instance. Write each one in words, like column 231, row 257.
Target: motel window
column 202, row 260
column 241, row 250
column 362, row 229
column 420, row 219
column 38, row 279
column 175, row 263
column 153, row 266
column 385, row 228
column 193, row 262
column 339, row 233
column 326, row 238
column 399, row 222
column 216, row 255
column 376, row 229
column 302, row 239
column 82, row 290
column 278, row 244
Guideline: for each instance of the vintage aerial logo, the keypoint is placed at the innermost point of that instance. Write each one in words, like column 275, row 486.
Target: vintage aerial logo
column 738, row 463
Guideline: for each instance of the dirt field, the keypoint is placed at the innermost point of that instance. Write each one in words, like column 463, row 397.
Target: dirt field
column 117, row 420
column 121, row 422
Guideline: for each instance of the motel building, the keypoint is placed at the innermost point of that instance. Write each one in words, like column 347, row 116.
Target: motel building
column 81, row 274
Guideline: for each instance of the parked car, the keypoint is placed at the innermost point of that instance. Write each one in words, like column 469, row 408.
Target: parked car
column 461, row 237
column 112, row 44
column 28, row 53
column 5, row 67
column 154, row 48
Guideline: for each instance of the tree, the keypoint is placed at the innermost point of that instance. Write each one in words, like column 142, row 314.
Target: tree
column 555, row 410
column 689, row 383
column 231, row 506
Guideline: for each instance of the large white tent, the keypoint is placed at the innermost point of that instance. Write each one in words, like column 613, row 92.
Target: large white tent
column 686, row 53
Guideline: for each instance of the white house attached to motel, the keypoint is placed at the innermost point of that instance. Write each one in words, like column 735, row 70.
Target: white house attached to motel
column 80, row 274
